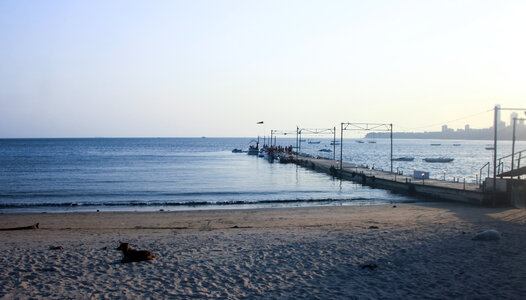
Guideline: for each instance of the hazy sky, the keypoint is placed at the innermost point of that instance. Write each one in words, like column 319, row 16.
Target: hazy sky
column 215, row 68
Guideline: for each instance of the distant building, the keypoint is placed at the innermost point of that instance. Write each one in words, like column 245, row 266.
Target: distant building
column 446, row 129
column 467, row 128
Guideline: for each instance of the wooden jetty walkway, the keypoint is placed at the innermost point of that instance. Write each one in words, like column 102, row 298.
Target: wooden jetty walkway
column 438, row 189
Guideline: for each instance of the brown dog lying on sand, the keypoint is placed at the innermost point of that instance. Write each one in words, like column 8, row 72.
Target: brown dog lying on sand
column 131, row 255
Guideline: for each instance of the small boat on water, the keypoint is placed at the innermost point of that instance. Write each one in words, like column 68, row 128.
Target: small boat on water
column 404, row 158
column 489, row 148
column 314, row 142
column 438, row 159
column 360, row 142
column 253, row 151
column 371, row 142
column 456, row 145
column 325, row 150
column 236, row 150
column 303, row 140
column 335, row 143
column 436, row 144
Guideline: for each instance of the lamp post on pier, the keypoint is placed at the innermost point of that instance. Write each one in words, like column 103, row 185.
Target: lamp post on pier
column 495, row 123
column 297, row 140
column 366, row 127
column 317, row 131
column 513, row 141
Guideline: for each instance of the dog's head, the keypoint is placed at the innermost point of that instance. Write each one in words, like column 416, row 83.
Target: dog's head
column 123, row 247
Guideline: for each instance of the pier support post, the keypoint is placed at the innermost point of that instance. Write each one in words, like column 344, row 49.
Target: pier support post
column 299, row 147
column 341, row 148
column 297, row 140
column 391, row 147
column 495, row 155
column 334, row 144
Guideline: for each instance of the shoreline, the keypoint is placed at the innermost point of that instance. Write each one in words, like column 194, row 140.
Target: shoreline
column 204, row 206
column 420, row 250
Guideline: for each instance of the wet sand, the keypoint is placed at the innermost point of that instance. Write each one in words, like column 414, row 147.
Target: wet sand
column 408, row 251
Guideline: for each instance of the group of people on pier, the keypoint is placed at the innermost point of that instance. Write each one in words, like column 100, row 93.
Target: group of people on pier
column 278, row 149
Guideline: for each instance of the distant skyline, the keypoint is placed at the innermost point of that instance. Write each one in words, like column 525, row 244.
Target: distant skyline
column 216, row 68
column 466, row 133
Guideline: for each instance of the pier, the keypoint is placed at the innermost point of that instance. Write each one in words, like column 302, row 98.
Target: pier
column 505, row 187
column 431, row 188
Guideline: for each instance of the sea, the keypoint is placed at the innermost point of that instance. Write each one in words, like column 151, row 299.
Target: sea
column 152, row 174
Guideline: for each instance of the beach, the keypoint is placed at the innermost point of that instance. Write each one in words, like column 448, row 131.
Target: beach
column 402, row 251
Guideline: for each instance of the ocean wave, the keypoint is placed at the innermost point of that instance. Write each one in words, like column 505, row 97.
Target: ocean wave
column 64, row 194
column 184, row 203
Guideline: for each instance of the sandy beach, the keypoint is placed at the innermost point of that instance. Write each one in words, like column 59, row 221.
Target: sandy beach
column 411, row 251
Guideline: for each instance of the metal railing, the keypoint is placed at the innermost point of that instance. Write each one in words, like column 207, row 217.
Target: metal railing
column 480, row 172
column 514, row 161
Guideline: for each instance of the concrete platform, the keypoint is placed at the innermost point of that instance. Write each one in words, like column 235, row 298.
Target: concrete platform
column 438, row 189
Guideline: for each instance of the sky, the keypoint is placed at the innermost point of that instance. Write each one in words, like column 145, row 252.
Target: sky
column 215, row 68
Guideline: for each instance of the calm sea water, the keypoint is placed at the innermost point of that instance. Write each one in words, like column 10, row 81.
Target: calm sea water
column 55, row 175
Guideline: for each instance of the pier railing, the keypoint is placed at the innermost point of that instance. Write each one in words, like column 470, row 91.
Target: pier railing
column 510, row 162
column 480, row 172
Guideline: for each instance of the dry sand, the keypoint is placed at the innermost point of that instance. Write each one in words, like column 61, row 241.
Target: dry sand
column 420, row 250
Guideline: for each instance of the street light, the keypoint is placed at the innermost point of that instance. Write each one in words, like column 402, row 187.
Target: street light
column 513, row 141
column 497, row 108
